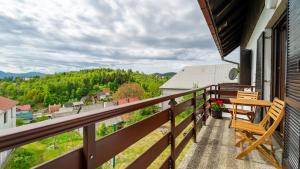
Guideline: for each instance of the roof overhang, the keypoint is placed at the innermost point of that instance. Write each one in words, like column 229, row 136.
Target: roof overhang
column 225, row 20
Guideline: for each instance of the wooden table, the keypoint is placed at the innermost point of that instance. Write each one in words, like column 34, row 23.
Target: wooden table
column 248, row 102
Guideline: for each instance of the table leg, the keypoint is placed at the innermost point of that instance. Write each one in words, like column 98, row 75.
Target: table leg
column 233, row 114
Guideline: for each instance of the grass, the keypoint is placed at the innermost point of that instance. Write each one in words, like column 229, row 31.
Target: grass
column 38, row 152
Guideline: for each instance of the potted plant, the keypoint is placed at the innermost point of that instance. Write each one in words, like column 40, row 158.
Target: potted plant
column 217, row 108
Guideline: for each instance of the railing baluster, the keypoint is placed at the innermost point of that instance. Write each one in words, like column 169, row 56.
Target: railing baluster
column 219, row 94
column 204, row 107
column 210, row 88
column 172, row 104
column 89, row 146
column 195, row 115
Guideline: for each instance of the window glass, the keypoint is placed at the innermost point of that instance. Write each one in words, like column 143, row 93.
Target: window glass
column 5, row 117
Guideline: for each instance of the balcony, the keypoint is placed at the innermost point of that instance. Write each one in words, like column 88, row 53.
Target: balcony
column 213, row 145
column 215, row 149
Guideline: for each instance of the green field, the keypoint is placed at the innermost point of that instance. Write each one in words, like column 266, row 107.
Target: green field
column 38, row 152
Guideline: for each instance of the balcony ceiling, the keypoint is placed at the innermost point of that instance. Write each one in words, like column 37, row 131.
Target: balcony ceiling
column 225, row 20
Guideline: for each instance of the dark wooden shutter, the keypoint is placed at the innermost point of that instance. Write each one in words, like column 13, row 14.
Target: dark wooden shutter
column 259, row 81
column 245, row 67
column 292, row 97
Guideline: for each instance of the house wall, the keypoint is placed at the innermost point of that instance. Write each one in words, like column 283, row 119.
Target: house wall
column 265, row 22
column 11, row 118
column 11, row 122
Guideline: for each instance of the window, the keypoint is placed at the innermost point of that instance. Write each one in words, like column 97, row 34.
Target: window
column 11, row 113
column 5, row 117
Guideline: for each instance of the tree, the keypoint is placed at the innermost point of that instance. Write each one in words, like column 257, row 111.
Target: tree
column 129, row 90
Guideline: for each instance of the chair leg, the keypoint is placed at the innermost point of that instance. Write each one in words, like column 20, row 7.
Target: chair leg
column 230, row 122
column 266, row 154
column 242, row 140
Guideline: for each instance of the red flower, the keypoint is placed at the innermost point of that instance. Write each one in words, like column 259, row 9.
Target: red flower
column 219, row 102
column 213, row 100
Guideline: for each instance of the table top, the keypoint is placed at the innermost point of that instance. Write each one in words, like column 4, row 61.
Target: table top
column 250, row 102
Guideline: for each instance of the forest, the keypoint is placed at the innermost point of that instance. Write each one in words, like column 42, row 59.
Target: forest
column 64, row 87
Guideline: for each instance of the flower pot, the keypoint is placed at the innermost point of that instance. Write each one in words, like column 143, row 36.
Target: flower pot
column 216, row 114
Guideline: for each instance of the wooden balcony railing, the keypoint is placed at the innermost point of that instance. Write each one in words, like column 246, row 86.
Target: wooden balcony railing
column 94, row 152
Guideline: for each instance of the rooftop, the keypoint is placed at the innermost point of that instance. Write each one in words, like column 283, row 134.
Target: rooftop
column 6, row 103
column 200, row 75
column 26, row 107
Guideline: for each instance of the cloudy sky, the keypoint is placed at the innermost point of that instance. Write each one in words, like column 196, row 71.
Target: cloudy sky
column 63, row 35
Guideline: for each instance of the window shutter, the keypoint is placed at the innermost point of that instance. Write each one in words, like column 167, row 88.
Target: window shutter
column 291, row 152
column 259, row 81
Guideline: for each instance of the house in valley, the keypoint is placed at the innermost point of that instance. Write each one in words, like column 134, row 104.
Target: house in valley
column 24, row 112
column 7, row 120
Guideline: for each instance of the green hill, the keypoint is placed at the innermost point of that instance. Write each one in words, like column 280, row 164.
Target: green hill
column 69, row 86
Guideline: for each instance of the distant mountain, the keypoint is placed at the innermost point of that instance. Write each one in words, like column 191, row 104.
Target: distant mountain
column 23, row 75
column 168, row 74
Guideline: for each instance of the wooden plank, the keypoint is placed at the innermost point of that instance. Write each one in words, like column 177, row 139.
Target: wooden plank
column 199, row 98
column 183, row 143
column 113, row 144
column 181, row 126
column 172, row 138
column 151, row 154
column 72, row 160
column 166, row 164
column 89, row 145
column 194, row 117
column 214, row 92
column 228, row 93
column 181, row 107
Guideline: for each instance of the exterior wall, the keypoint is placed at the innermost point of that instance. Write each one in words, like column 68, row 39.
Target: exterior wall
column 10, row 123
column 165, row 92
column 11, row 118
column 264, row 24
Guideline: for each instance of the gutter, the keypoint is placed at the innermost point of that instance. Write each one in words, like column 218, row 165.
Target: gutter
column 229, row 61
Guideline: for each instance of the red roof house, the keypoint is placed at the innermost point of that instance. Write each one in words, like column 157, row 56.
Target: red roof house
column 134, row 99
column 6, row 103
column 127, row 100
column 26, row 107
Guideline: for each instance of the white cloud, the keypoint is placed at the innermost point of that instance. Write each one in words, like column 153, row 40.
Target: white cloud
column 150, row 36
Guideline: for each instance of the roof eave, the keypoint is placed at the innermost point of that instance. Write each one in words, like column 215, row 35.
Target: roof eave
column 208, row 17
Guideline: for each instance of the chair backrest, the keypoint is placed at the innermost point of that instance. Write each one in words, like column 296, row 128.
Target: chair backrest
column 276, row 112
column 247, row 95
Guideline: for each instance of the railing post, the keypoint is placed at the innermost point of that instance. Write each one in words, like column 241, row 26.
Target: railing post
column 219, row 88
column 195, row 115
column 89, row 146
column 210, row 88
column 172, row 104
column 204, row 107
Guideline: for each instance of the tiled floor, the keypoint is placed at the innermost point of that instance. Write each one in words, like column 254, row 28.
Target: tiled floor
column 215, row 150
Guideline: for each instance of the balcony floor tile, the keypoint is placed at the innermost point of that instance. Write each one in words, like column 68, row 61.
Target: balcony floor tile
column 215, row 150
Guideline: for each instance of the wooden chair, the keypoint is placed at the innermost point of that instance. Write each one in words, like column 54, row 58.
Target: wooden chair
column 249, row 113
column 259, row 134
